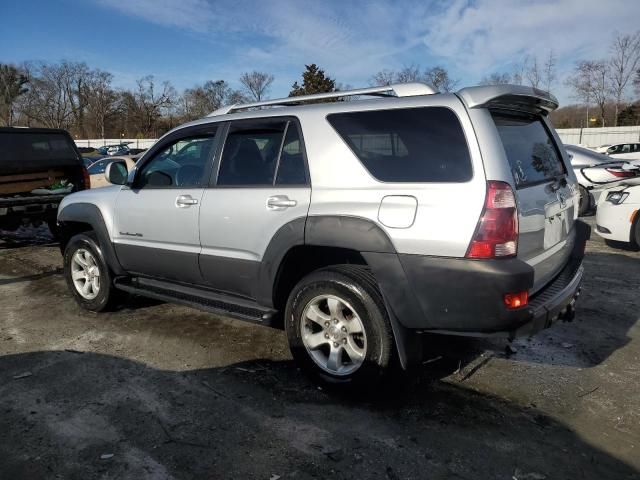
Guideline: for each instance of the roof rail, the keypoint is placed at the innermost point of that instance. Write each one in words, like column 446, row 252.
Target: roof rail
column 397, row 90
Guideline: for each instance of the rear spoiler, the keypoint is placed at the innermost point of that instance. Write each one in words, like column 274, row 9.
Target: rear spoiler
column 511, row 97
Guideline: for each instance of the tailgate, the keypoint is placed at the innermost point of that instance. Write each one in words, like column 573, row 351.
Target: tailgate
column 546, row 197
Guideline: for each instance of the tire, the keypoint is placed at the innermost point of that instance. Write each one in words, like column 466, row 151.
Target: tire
column 343, row 300
column 83, row 259
column 635, row 233
column 53, row 228
column 585, row 201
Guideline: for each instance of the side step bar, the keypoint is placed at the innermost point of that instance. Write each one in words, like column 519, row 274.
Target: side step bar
column 200, row 298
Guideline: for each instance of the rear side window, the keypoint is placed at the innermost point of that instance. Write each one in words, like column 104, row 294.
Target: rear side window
column 531, row 151
column 263, row 153
column 407, row 145
column 251, row 152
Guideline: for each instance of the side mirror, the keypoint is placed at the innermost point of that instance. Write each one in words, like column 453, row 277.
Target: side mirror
column 116, row 173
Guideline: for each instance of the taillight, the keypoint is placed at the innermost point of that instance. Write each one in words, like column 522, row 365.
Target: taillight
column 86, row 179
column 496, row 235
column 621, row 173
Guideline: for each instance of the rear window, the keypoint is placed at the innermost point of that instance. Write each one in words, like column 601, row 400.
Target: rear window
column 407, row 145
column 35, row 146
column 531, row 151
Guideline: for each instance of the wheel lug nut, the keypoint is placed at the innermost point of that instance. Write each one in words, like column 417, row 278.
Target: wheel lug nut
column 344, row 340
column 335, row 344
column 326, row 335
column 335, row 320
column 344, row 329
column 326, row 324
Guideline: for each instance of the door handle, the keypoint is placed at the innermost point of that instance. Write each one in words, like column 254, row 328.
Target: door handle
column 185, row 201
column 280, row 202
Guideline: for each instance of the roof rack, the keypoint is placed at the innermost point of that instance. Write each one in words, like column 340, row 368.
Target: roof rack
column 395, row 90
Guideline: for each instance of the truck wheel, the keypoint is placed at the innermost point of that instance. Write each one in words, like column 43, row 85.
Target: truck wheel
column 338, row 327
column 585, row 201
column 87, row 275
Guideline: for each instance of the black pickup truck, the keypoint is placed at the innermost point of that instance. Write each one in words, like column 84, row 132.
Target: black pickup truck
column 38, row 167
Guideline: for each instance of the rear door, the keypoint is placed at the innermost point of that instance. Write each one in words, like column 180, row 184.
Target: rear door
column 546, row 196
column 262, row 185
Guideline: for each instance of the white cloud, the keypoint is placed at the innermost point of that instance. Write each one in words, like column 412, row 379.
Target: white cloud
column 353, row 40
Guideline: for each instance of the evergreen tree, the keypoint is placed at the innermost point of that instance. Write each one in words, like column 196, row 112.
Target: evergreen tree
column 314, row 80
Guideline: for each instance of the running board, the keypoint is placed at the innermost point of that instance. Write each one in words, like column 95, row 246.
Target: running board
column 200, row 298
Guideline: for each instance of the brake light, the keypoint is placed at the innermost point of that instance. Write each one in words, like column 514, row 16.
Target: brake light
column 496, row 235
column 86, row 179
column 620, row 173
column 516, row 300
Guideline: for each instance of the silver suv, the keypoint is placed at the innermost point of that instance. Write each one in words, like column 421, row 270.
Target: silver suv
column 354, row 225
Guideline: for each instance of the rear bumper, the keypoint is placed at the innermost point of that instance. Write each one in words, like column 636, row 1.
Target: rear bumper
column 40, row 206
column 465, row 297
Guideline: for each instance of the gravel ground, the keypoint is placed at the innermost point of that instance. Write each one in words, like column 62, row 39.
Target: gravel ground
column 155, row 390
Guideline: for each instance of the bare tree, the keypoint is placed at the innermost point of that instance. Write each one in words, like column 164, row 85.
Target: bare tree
column 408, row 74
column 439, row 78
column 201, row 100
column 496, row 79
column 533, row 72
column 625, row 58
column 12, row 86
column 102, row 100
column 383, row 77
column 589, row 83
column 256, row 84
column 549, row 71
column 48, row 101
column 146, row 104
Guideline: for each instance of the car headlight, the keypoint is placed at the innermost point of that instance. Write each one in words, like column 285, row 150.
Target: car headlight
column 617, row 197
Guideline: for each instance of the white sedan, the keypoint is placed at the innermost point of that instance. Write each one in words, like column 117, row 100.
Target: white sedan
column 618, row 216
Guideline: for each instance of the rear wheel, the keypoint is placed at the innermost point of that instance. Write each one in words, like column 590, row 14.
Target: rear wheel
column 585, row 201
column 87, row 275
column 338, row 328
column 635, row 232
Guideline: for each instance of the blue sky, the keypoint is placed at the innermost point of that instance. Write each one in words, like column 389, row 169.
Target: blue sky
column 191, row 41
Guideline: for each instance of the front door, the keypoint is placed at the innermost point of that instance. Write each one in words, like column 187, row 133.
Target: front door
column 262, row 185
column 156, row 219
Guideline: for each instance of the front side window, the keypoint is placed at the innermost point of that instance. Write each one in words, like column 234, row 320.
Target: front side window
column 530, row 150
column 251, row 152
column 182, row 163
column 407, row 145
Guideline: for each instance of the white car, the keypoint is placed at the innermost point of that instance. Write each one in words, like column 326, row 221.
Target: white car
column 595, row 172
column 618, row 216
column 624, row 151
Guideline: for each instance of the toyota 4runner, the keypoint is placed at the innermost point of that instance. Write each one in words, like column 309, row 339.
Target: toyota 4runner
column 352, row 225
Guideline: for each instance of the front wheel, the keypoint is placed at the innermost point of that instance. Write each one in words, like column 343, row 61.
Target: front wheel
column 87, row 274
column 338, row 327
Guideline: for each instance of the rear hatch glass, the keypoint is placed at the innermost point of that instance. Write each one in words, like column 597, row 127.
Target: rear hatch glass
column 26, row 152
column 531, row 152
column 546, row 200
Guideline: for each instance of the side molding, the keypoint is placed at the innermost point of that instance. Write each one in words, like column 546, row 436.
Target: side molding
column 90, row 214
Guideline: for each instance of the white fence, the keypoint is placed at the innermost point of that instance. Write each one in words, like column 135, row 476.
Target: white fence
column 101, row 142
column 594, row 137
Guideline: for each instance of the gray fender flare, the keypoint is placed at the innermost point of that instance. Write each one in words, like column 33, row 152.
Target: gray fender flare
column 90, row 214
